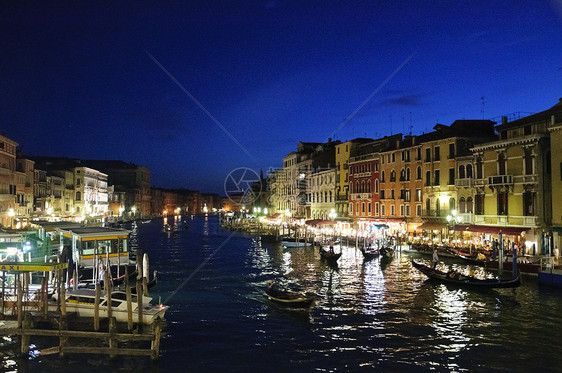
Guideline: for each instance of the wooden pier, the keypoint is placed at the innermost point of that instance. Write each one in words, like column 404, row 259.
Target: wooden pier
column 33, row 319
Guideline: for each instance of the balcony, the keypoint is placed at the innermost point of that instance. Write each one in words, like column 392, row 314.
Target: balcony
column 362, row 174
column 507, row 220
column 355, row 196
column 500, row 180
column 464, row 183
column 526, row 179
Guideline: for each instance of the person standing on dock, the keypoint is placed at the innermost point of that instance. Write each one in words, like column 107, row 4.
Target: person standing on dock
column 435, row 258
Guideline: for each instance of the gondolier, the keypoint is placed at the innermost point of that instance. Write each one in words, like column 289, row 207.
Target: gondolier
column 435, row 258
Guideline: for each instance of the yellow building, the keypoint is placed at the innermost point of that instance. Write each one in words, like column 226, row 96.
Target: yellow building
column 556, row 162
column 513, row 182
column 447, row 172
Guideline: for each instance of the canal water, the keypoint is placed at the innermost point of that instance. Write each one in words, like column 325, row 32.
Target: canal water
column 369, row 316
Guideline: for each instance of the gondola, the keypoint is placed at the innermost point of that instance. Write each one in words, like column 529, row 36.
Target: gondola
column 369, row 253
column 466, row 258
column 150, row 284
column 453, row 277
column 387, row 253
column 288, row 298
column 330, row 256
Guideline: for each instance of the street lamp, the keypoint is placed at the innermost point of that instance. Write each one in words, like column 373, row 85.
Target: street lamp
column 453, row 219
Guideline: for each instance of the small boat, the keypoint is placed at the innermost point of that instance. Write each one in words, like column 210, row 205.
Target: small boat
column 82, row 302
column 168, row 228
column 288, row 298
column 387, row 254
column 294, row 242
column 150, row 284
column 468, row 258
column 370, row 253
column 330, row 256
column 457, row 278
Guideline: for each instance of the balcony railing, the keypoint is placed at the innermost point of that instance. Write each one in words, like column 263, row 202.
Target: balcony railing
column 527, row 179
column 507, row 220
column 500, row 180
column 467, row 182
column 361, row 195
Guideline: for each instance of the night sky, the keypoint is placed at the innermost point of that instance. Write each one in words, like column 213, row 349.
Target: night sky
column 195, row 89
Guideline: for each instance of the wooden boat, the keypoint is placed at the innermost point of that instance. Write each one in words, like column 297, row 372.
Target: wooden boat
column 288, row 298
column 330, row 256
column 293, row 242
column 369, row 253
column 454, row 277
column 387, row 254
column 466, row 258
column 508, row 265
column 82, row 302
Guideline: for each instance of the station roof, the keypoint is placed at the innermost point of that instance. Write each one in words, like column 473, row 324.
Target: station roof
column 95, row 233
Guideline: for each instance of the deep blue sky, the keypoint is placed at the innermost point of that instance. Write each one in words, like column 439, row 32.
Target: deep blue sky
column 77, row 79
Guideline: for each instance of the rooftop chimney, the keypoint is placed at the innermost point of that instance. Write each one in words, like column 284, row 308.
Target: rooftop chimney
column 504, row 120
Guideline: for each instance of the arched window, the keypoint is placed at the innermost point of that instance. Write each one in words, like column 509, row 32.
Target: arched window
column 469, row 170
column 419, row 173
column 427, row 206
column 376, row 186
column 368, row 186
column 479, row 168
column 437, row 207
column 469, row 205
column 402, row 175
column 382, row 176
column 408, row 174
column 78, row 196
column 501, row 164
column 451, row 204
column 462, row 206
column 461, row 172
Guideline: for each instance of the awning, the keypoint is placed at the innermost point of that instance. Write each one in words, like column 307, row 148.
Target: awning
column 510, row 231
column 431, row 226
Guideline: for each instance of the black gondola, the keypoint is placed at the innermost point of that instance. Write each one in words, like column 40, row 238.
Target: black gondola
column 467, row 258
column 369, row 253
column 150, row 284
column 288, row 298
column 330, row 256
column 456, row 278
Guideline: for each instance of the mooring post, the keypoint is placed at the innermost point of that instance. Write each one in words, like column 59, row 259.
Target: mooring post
column 97, row 307
column 27, row 324
column 155, row 344
column 19, row 295
column 62, row 295
column 107, row 283
column 112, row 337
column 129, row 301
column 139, row 287
column 45, row 295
